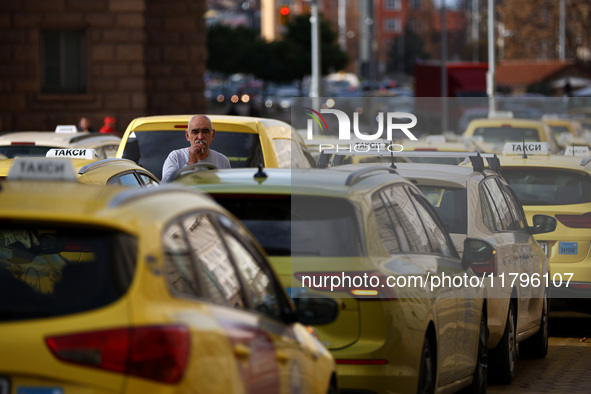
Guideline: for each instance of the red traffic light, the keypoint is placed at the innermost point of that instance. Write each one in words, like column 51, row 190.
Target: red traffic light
column 284, row 10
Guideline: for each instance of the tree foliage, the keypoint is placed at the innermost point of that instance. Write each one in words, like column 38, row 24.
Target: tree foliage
column 241, row 50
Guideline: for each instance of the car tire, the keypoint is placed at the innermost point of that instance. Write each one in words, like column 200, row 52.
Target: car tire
column 427, row 371
column 480, row 379
column 537, row 345
column 504, row 356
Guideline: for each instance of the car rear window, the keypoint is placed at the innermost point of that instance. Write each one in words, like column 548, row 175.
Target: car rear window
column 150, row 149
column 54, row 271
column 505, row 134
column 11, row 151
column 450, row 204
column 549, row 187
column 298, row 225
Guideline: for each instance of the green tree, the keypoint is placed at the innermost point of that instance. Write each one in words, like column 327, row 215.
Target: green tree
column 299, row 35
column 411, row 49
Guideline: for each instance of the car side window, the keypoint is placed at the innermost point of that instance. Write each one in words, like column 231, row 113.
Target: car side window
column 408, row 216
column 490, row 219
column 179, row 269
column 499, row 204
column 128, row 179
column 260, row 286
column 519, row 222
column 440, row 243
column 389, row 227
column 214, row 267
column 147, row 180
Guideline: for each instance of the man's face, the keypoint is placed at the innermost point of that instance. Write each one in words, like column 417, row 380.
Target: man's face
column 200, row 133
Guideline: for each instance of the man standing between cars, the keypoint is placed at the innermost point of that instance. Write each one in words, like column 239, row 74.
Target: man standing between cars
column 200, row 133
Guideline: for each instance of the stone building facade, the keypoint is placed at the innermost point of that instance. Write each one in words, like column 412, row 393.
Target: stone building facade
column 62, row 59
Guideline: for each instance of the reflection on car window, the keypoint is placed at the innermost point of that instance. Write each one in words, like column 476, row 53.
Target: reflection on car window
column 260, row 287
column 53, row 271
column 215, row 268
column 413, row 228
column 549, row 186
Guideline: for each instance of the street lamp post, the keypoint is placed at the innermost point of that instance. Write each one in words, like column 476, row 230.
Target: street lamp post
column 316, row 59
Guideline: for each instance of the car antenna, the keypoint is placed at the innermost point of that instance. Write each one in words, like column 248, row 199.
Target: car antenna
column 260, row 175
column 392, row 165
column 524, row 155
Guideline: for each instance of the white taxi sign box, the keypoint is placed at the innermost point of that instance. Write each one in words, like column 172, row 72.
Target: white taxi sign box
column 531, row 148
column 576, row 151
column 41, row 169
column 66, row 129
column 73, row 153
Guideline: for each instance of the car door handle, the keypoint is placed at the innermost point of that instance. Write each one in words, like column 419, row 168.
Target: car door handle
column 242, row 351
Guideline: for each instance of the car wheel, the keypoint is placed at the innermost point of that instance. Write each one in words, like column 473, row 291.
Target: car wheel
column 480, row 379
column 504, row 356
column 427, row 369
column 537, row 345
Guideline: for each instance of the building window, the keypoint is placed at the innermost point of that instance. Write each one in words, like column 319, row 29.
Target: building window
column 393, row 25
column 415, row 4
column 63, row 61
column 392, row 4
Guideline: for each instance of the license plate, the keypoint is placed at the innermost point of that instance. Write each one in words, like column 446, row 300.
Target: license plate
column 4, row 386
column 544, row 246
column 567, row 248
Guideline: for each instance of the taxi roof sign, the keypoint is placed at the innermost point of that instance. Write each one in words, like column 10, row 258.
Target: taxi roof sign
column 576, row 151
column 66, row 129
column 531, row 148
column 41, row 169
column 70, row 153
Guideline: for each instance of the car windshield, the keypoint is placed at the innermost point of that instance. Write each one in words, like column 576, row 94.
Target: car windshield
column 507, row 134
column 548, row 186
column 298, row 225
column 560, row 130
column 11, row 151
column 151, row 148
column 54, row 271
column 450, row 204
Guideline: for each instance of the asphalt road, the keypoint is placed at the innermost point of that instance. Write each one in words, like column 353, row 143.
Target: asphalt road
column 566, row 369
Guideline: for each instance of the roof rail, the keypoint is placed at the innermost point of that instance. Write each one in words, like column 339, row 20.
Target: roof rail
column 355, row 177
column 586, row 161
column 325, row 156
column 100, row 163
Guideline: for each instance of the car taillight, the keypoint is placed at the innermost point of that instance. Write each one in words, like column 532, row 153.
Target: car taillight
column 152, row 352
column 369, row 285
column 575, row 221
column 486, row 267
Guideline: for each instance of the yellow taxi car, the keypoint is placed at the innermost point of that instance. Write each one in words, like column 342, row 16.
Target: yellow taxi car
column 246, row 141
column 560, row 186
column 567, row 131
column 491, row 134
column 89, row 169
column 37, row 143
column 176, row 296
column 368, row 237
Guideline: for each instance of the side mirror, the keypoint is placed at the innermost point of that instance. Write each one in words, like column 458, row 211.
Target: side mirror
column 477, row 251
column 543, row 224
column 315, row 311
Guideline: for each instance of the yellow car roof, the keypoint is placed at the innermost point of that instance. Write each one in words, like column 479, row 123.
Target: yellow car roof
column 245, row 124
column 115, row 206
column 101, row 170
